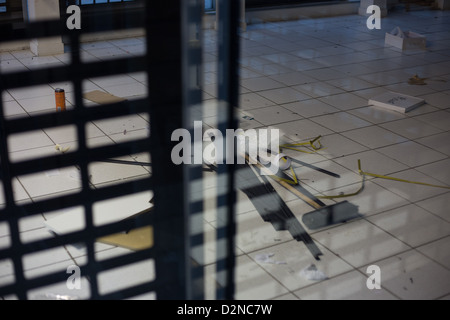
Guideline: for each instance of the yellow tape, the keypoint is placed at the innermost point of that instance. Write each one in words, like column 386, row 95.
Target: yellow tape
column 295, row 146
column 364, row 174
column 397, row 179
column 294, row 180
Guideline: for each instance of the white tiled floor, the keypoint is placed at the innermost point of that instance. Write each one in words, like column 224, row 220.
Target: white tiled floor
column 308, row 78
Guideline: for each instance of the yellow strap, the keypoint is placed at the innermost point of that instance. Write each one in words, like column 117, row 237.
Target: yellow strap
column 397, row 179
column 295, row 146
column 364, row 174
column 345, row 195
column 294, row 180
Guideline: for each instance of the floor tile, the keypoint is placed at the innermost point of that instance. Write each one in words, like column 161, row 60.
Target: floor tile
column 58, row 290
column 353, row 70
column 9, row 66
column 107, row 172
column 253, row 233
column 439, row 99
column 284, row 95
column 336, row 146
column 435, row 142
column 250, row 101
column 438, row 251
column 128, row 91
column 437, row 205
column 375, row 199
column 18, row 191
column 374, row 137
column 302, row 129
column 244, row 73
column 349, row 286
column 411, row 90
column 376, row 115
column 261, row 84
column 45, row 257
column 6, row 96
column 360, row 242
column 310, row 108
column 252, row 281
column 293, row 78
column 412, row 153
column 412, row 276
column 318, row 89
column 369, row 93
column 437, row 170
column 28, row 140
column 351, row 84
column 273, row 115
column 120, row 124
column 31, row 92
column 439, row 119
column 37, row 104
column 122, row 277
column 372, row 162
column 409, row 191
column 49, row 182
column 412, row 225
column 345, row 101
column 292, row 258
column 342, row 121
column 324, row 74
column 322, row 182
column 40, row 62
column 12, row 108
column 67, row 134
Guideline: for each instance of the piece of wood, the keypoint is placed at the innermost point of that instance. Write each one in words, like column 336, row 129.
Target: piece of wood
column 136, row 239
column 101, row 97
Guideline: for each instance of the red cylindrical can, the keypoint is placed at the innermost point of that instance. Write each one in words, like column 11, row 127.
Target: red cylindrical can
column 60, row 98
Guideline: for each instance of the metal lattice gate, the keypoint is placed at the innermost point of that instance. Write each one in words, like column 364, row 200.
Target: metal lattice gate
column 172, row 65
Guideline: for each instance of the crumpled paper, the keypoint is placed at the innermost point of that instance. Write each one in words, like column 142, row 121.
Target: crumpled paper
column 267, row 258
column 312, row 273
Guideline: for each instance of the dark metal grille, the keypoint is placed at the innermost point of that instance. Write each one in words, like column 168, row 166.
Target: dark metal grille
column 171, row 94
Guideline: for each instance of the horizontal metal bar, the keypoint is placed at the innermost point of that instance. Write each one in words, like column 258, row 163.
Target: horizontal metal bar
column 67, row 73
column 76, row 199
column 58, row 119
column 75, row 159
column 104, row 265
column 82, row 236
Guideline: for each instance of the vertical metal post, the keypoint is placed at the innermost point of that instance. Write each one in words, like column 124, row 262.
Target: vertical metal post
column 228, row 95
column 164, row 69
column 193, row 173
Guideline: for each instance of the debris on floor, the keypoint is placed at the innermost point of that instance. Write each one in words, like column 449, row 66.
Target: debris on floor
column 61, row 149
column 405, row 40
column 101, row 97
column 396, row 101
column 267, row 258
column 416, row 80
column 54, row 296
column 107, row 212
column 312, row 273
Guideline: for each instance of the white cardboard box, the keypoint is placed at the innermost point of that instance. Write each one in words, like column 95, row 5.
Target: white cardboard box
column 396, row 102
column 405, row 40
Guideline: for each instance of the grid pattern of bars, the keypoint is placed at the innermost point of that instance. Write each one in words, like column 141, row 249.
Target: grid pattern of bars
column 176, row 276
